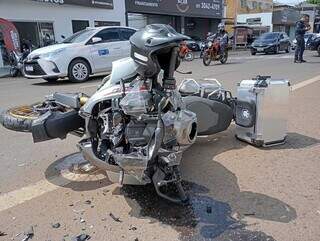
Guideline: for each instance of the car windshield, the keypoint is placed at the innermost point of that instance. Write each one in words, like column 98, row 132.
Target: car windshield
column 79, row 36
column 269, row 36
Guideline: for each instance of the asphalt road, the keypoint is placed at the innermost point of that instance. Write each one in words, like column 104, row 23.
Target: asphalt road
column 252, row 194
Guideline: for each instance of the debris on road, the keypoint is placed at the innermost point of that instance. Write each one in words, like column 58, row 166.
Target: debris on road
column 82, row 220
column 2, row 234
column 115, row 218
column 133, row 228
column 87, row 202
column 28, row 234
column 81, row 237
column 105, row 191
column 55, row 225
column 209, row 209
column 249, row 214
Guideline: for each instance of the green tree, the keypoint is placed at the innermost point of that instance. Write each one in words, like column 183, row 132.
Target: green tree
column 314, row 1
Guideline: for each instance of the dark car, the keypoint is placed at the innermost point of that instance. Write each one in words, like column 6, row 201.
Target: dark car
column 271, row 43
column 193, row 45
column 314, row 43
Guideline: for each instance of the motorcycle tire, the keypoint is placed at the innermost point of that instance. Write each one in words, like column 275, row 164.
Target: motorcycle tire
column 189, row 57
column 224, row 58
column 14, row 72
column 19, row 118
column 206, row 60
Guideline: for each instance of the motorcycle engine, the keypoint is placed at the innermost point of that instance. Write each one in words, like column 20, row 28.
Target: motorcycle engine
column 129, row 131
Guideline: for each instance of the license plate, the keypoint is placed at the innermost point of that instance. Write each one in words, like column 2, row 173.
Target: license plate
column 29, row 68
column 260, row 49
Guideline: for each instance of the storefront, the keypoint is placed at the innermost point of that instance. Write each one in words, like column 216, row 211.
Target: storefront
column 284, row 19
column 43, row 22
column 191, row 17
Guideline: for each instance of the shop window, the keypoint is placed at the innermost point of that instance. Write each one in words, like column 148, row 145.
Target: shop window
column 78, row 25
column 105, row 23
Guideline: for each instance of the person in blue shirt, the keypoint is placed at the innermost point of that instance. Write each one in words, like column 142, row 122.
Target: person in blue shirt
column 302, row 26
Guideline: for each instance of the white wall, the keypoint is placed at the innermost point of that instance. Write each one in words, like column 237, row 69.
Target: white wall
column 266, row 18
column 60, row 15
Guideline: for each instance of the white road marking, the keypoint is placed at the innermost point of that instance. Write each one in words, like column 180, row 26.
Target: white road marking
column 17, row 197
column 88, row 86
column 305, row 83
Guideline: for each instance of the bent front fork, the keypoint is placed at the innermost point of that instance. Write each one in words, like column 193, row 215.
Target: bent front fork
column 158, row 182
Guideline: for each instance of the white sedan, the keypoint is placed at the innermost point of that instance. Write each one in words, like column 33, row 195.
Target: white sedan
column 87, row 52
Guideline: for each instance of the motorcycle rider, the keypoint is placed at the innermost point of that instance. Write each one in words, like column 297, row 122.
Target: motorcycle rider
column 223, row 37
column 302, row 26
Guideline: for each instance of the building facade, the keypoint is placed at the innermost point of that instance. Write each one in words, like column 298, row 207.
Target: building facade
column 43, row 22
column 191, row 17
column 257, row 14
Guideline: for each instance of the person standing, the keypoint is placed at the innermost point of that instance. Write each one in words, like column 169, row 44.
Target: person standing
column 302, row 26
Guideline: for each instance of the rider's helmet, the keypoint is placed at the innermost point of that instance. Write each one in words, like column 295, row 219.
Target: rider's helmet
column 221, row 27
column 151, row 48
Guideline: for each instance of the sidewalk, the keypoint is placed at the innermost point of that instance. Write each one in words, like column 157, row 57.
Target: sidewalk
column 4, row 71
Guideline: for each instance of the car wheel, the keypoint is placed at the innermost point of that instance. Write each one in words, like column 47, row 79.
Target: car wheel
column 51, row 80
column 79, row 71
column 318, row 50
column 253, row 52
column 288, row 49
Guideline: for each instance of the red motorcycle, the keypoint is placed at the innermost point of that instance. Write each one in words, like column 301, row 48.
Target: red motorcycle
column 185, row 53
column 214, row 53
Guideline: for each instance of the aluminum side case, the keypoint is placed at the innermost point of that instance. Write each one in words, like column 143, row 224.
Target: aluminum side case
column 262, row 111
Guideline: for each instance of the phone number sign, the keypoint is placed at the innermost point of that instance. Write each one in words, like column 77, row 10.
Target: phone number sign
column 190, row 8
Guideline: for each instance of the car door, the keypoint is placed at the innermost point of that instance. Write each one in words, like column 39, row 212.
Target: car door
column 108, row 50
column 125, row 34
column 281, row 42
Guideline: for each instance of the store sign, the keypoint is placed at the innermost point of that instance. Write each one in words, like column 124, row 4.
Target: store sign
column 88, row 3
column 190, row 8
column 255, row 6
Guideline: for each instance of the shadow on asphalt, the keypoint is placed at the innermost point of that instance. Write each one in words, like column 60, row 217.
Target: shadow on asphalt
column 67, row 82
column 296, row 141
column 212, row 214
column 216, row 213
column 67, row 172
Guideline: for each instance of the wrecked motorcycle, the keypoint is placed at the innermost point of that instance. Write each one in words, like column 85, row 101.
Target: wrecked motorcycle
column 138, row 124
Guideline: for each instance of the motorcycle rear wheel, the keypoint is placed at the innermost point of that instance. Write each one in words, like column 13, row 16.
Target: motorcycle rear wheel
column 206, row 59
column 19, row 118
column 224, row 58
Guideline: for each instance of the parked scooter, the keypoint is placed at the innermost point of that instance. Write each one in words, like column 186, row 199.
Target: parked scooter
column 16, row 62
column 185, row 53
column 214, row 53
column 138, row 124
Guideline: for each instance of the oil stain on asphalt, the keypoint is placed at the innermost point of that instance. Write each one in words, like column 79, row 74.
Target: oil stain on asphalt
column 202, row 219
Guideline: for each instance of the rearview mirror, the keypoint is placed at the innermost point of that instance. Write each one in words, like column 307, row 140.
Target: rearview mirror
column 95, row 40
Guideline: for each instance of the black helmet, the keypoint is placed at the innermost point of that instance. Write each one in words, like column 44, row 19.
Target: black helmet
column 151, row 48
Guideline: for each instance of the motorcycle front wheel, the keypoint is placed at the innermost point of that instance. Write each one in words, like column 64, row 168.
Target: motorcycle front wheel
column 206, row 59
column 189, row 56
column 224, row 58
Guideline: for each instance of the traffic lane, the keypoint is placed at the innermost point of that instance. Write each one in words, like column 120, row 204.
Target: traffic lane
column 17, row 91
column 237, row 191
column 246, row 67
column 241, row 66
